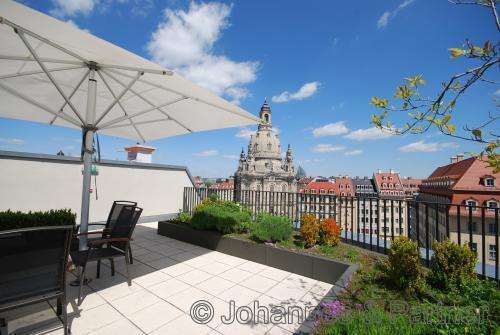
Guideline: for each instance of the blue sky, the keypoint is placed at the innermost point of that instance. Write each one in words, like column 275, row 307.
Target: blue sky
column 318, row 62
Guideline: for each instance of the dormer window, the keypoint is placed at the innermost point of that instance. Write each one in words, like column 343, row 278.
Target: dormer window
column 489, row 182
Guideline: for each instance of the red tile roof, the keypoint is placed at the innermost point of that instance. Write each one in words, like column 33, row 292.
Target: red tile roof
column 224, row 185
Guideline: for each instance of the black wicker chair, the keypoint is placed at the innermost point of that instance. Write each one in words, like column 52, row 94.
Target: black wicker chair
column 114, row 243
column 33, row 264
column 112, row 217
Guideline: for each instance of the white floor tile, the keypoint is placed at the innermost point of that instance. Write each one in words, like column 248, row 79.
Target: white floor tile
column 135, row 302
column 154, row 316
column 194, row 277
column 258, row 283
column 168, row 288
column 236, row 275
column 182, row 325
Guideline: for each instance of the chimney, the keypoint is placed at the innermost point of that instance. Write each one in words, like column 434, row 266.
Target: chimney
column 460, row 157
column 453, row 159
column 379, row 171
column 139, row 153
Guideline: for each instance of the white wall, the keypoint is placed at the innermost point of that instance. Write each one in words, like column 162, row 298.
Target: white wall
column 42, row 182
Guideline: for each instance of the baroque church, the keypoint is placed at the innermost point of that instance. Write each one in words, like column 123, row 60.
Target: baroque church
column 263, row 168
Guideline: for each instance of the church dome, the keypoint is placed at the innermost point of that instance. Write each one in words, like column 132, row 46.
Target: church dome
column 265, row 143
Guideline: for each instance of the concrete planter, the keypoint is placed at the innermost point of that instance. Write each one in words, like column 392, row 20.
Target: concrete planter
column 312, row 266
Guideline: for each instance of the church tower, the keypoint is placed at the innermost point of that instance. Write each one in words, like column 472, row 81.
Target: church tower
column 263, row 168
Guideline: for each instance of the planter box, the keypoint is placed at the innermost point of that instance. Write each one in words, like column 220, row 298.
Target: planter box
column 312, row 266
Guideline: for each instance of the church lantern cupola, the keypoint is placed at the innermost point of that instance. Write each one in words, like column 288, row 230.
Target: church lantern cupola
column 265, row 113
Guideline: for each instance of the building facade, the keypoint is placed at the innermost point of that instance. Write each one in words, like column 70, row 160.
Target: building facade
column 463, row 198
column 262, row 168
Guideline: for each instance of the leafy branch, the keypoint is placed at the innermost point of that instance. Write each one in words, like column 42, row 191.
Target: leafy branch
column 424, row 112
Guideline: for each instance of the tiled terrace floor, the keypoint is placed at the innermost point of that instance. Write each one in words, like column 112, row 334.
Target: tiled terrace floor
column 168, row 277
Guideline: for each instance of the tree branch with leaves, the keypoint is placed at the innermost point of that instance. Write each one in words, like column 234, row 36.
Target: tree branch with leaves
column 437, row 112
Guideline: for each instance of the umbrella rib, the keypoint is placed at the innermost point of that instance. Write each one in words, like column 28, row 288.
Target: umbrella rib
column 61, row 111
column 29, row 73
column 117, row 98
column 128, row 117
column 149, row 102
column 140, row 123
column 45, row 60
column 19, row 29
column 144, row 81
column 39, row 105
column 136, row 69
column 34, row 54
column 121, row 106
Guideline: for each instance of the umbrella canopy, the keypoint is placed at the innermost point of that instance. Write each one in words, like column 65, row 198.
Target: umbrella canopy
column 54, row 73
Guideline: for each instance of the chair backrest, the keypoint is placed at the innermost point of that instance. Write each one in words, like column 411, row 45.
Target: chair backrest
column 125, row 222
column 116, row 208
column 33, row 262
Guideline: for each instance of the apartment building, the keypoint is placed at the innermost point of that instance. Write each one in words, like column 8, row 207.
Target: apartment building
column 463, row 199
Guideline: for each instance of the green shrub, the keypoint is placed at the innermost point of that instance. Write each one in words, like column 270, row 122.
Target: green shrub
column 184, row 217
column 270, row 228
column 16, row 220
column 372, row 321
column 403, row 267
column 223, row 216
column 452, row 265
column 309, row 229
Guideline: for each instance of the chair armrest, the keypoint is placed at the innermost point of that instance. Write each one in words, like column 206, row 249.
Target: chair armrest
column 108, row 240
column 90, row 233
column 90, row 224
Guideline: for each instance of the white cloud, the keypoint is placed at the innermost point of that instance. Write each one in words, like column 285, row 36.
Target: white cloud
column 497, row 92
column 326, row 148
column 372, row 133
column 12, row 141
column 422, row 146
column 307, row 90
column 331, row 129
column 72, row 23
column 245, row 133
column 237, row 94
column 64, row 8
column 184, row 42
column 335, row 41
column 207, row 153
column 353, row 152
column 232, row 157
column 383, row 20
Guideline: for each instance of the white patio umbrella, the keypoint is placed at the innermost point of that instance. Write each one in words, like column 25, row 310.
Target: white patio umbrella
column 54, row 73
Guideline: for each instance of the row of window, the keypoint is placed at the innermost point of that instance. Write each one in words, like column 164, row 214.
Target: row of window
column 385, row 230
column 492, row 250
column 473, row 204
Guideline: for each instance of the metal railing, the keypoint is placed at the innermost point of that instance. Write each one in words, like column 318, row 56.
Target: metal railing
column 373, row 223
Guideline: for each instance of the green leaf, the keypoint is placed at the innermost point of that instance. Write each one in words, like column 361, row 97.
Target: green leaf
column 404, row 92
column 379, row 102
column 415, row 80
column 451, row 128
column 446, row 119
column 477, row 134
column 456, row 52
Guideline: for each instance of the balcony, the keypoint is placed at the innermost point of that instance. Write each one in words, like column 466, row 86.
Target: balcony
column 168, row 277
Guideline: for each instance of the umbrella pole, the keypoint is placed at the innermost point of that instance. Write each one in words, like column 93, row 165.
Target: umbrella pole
column 88, row 133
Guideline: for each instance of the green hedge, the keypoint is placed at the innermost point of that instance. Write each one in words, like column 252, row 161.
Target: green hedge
column 223, row 216
column 16, row 220
column 270, row 228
